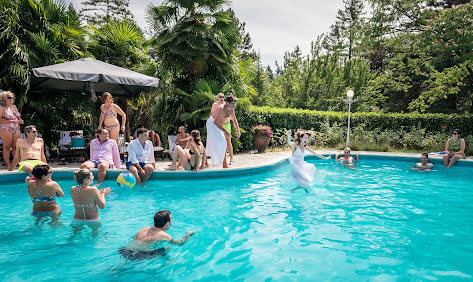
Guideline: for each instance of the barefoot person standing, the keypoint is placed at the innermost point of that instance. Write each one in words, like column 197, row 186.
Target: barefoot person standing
column 10, row 120
column 108, row 116
column 29, row 151
column 217, row 134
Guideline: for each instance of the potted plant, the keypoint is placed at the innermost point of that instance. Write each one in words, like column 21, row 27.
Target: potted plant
column 261, row 136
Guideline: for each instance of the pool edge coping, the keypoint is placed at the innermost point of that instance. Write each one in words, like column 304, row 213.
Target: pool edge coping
column 60, row 173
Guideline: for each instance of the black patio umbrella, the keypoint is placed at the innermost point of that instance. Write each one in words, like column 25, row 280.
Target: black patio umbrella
column 89, row 75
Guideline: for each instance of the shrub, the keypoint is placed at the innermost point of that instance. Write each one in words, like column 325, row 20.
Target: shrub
column 377, row 131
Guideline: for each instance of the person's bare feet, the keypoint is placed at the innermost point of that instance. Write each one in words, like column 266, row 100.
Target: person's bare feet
column 171, row 167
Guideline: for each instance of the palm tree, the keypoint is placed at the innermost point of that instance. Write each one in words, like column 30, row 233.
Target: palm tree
column 37, row 33
column 196, row 39
column 119, row 43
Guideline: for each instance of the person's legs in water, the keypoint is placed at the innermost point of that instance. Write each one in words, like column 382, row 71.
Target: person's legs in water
column 148, row 171
column 445, row 160
column 102, row 172
column 141, row 255
column 454, row 159
column 133, row 170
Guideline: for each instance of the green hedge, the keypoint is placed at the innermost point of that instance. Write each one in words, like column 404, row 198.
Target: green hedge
column 396, row 130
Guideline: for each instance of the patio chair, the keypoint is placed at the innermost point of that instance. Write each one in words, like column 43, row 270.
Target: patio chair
column 69, row 149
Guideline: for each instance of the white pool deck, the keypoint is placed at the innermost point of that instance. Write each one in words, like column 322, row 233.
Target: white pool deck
column 252, row 159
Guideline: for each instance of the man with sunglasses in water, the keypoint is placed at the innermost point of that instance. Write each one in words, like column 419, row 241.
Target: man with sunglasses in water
column 29, row 151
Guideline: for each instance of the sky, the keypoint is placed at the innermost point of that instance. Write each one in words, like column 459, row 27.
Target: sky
column 274, row 26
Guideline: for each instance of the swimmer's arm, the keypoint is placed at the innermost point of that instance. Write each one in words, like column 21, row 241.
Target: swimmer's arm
column 357, row 157
column 99, row 196
column 336, row 157
column 59, row 191
column 317, row 154
column 182, row 240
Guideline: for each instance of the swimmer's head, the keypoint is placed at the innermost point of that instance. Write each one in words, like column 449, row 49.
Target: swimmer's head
column 424, row 158
column 347, row 151
column 161, row 218
column 82, row 175
column 41, row 171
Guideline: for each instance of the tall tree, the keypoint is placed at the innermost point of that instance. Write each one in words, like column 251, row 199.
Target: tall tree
column 104, row 11
column 194, row 40
column 346, row 33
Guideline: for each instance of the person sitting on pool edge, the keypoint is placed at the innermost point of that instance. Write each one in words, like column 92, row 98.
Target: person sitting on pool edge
column 104, row 154
column 424, row 163
column 141, row 157
column 43, row 191
column 347, row 159
column 138, row 249
column 29, row 151
column 454, row 149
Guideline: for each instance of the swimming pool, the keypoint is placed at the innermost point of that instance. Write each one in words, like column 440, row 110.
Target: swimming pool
column 380, row 221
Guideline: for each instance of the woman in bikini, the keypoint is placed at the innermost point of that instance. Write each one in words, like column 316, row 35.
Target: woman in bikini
column 87, row 199
column 10, row 120
column 108, row 116
column 43, row 191
column 192, row 158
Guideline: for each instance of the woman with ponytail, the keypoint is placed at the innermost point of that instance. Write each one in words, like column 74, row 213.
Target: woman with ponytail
column 87, row 199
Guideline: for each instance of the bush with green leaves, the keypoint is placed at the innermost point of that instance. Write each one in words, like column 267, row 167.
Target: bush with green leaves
column 369, row 131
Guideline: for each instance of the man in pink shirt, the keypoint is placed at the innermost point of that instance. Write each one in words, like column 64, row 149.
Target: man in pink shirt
column 104, row 154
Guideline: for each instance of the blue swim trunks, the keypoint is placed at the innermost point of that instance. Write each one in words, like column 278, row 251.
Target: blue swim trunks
column 128, row 164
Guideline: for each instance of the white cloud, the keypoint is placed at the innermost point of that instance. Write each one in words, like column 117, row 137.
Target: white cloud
column 275, row 26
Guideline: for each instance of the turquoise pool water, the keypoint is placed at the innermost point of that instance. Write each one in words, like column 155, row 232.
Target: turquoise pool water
column 381, row 221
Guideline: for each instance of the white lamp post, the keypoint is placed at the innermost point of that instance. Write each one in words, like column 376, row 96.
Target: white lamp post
column 350, row 94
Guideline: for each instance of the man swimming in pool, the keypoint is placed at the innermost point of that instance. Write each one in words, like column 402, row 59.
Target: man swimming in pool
column 141, row 247
column 424, row 163
column 347, row 159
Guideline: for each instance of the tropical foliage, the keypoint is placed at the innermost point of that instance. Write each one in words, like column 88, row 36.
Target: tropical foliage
column 397, row 56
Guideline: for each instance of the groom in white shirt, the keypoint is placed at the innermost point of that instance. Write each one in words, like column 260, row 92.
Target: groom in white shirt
column 141, row 157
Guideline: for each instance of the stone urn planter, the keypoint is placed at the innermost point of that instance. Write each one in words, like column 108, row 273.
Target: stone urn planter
column 261, row 137
column 261, row 141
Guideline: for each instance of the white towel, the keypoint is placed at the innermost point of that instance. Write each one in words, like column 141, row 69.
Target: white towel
column 216, row 145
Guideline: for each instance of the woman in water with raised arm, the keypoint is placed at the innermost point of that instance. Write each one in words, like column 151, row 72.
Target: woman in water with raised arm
column 87, row 199
column 108, row 116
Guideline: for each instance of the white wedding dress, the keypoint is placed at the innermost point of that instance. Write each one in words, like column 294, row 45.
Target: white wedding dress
column 302, row 172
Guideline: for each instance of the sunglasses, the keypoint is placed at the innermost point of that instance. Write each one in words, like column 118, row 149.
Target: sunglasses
column 454, row 133
column 33, row 131
column 50, row 172
column 220, row 97
column 11, row 98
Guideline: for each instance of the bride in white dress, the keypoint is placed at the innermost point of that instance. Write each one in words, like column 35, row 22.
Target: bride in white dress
column 302, row 172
